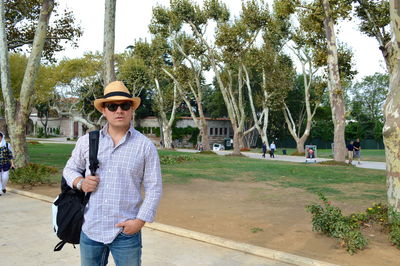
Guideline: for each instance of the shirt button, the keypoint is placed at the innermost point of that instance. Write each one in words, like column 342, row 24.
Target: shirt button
column 105, row 201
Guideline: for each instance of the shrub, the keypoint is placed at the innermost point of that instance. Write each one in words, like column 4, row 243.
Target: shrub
column 333, row 162
column 330, row 221
column 170, row 159
column 32, row 174
column 296, row 153
column 207, row 153
column 394, row 227
column 40, row 132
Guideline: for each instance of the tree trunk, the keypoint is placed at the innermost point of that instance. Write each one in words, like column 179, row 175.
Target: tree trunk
column 237, row 143
column 109, row 41
column 335, row 89
column 204, row 134
column 166, row 124
column 391, row 130
column 167, row 133
column 17, row 114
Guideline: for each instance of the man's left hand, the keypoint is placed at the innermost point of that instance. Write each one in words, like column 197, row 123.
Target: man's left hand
column 131, row 227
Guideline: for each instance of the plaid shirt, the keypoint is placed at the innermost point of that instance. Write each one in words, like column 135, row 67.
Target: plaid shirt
column 122, row 170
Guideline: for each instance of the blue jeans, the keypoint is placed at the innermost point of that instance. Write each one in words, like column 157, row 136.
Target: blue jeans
column 125, row 249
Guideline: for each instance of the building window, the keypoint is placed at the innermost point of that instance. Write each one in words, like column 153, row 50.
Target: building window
column 220, row 131
column 226, row 131
column 211, row 131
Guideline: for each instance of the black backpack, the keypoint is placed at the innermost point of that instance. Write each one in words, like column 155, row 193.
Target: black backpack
column 69, row 206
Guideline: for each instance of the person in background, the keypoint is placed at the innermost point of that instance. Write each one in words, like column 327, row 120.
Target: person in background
column 357, row 149
column 272, row 148
column 264, row 149
column 6, row 163
column 350, row 151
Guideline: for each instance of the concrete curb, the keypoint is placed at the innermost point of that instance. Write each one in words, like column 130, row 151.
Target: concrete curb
column 213, row 240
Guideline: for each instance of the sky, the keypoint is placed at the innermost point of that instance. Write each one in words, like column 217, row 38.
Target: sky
column 133, row 18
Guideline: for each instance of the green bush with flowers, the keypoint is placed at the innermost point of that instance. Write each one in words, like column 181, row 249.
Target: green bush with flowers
column 329, row 220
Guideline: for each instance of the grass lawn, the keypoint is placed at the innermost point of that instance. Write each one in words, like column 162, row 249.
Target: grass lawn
column 366, row 155
column 339, row 182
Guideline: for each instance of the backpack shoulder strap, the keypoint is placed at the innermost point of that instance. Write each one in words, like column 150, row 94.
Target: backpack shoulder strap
column 93, row 161
column 93, row 150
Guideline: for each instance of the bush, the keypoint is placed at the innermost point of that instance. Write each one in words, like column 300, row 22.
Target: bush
column 394, row 227
column 207, row 153
column 40, row 132
column 330, row 221
column 296, row 153
column 333, row 162
column 32, row 174
column 170, row 159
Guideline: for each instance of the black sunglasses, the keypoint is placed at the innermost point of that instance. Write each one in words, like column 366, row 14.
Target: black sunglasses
column 112, row 107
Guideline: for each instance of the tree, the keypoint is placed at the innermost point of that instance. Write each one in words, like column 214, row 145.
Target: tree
column 21, row 21
column 225, row 54
column 391, row 130
column 188, row 64
column 17, row 113
column 375, row 22
column 271, row 79
column 318, row 19
column 165, row 95
column 368, row 97
column 79, row 82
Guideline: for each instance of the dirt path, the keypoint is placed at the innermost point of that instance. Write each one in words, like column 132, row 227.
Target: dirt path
column 259, row 214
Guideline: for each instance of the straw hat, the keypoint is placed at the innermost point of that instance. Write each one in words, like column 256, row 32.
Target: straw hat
column 116, row 91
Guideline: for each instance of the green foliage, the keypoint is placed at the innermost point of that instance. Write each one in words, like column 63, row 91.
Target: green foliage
column 40, row 132
column 333, row 162
column 207, row 153
column 21, row 22
column 173, row 159
column 178, row 133
column 394, row 233
column 256, row 230
column 375, row 19
column 330, row 221
column 33, row 174
column 366, row 107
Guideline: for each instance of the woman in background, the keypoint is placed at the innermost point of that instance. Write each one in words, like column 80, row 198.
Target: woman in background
column 6, row 163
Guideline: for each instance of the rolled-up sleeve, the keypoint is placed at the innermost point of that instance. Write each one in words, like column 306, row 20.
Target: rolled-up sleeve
column 152, row 183
column 76, row 164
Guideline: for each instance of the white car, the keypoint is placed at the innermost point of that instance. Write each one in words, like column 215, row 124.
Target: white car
column 218, row 147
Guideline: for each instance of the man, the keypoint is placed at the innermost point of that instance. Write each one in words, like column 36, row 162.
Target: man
column 357, row 149
column 272, row 148
column 350, row 151
column 116, row 211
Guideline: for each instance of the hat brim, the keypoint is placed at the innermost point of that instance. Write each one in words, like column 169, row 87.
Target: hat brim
column 98, row 103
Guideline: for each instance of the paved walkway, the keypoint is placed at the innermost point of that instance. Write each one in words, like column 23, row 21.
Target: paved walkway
column 298, row 159
column 26, row 238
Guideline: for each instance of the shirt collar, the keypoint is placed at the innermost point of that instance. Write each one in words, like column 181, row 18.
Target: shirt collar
column 104, row 131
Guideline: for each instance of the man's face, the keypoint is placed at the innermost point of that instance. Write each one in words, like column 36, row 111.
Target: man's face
column 119, row 113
